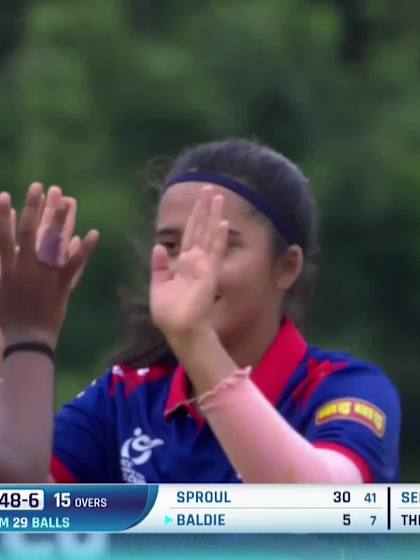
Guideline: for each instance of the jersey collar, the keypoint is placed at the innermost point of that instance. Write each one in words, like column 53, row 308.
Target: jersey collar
column 271, row 375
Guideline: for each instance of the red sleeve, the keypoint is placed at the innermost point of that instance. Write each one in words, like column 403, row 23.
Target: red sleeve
column 60, row 472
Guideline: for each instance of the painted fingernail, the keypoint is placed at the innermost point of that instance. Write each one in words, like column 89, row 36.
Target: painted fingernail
column 50, row 248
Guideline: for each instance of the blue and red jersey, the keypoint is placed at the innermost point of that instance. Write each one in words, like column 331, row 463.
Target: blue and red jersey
column 137, row 425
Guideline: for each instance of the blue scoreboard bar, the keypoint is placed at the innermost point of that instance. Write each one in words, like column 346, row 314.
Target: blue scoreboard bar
column 214, row 508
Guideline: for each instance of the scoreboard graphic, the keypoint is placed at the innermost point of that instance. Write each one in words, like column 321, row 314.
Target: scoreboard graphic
column 216, row 508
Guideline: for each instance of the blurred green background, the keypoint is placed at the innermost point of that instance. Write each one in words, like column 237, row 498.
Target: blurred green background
column 91, row 90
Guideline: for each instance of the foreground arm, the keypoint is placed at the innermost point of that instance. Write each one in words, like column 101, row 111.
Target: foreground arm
column 34, row 294
column 26, row 417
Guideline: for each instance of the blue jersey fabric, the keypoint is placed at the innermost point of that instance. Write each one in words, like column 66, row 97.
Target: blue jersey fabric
column 136, row 425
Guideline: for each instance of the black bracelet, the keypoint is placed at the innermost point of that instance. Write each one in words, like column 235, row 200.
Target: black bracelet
column 40, row 347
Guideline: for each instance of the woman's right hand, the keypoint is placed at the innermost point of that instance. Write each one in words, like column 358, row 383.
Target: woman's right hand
column 37, row 279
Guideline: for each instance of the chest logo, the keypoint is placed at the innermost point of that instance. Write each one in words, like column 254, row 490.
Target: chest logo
column 135, row 451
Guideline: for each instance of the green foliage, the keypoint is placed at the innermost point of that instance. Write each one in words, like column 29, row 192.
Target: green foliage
column 89, row 91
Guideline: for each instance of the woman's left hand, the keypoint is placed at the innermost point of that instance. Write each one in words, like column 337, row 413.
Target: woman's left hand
column 70, row 242
column 182, row 292
column 35, row 286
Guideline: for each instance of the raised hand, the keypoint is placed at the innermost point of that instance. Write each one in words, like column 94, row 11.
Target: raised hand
column 37, row 279
column 182, row 292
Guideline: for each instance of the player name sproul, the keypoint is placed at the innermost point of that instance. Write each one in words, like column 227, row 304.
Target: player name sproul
column 203, row 497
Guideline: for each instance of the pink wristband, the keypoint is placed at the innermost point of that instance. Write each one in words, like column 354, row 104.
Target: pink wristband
column 209, row 400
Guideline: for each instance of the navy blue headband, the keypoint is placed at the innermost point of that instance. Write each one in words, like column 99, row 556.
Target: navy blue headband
column 235, row 186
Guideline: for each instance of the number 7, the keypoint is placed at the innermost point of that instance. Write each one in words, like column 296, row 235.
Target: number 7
column 372, row 520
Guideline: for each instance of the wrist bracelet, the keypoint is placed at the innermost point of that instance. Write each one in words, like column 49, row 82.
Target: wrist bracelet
column 40, row 347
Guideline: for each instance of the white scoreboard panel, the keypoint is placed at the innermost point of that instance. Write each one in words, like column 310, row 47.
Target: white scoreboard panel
column 266, row 508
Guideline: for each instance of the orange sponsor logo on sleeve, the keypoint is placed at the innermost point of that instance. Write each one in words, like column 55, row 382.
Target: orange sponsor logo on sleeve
column 357, row 410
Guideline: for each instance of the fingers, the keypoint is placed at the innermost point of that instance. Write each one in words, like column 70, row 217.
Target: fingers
column 72, row 270
column 69, row 224
column 160, row 265
column 197, row 221
column 45, row 233
column 29, row 222
column 202, row 216
column 187, row 237
column 74, row 246
column 52, row 240
column 52, row 201
column 7, row 244
column 214, row 219
column 206, row 228
column 13, row 225
column 219, row 241
column 66, row 228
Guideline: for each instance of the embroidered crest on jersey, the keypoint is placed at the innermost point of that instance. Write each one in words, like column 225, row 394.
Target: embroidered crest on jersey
column 135, row 451
column 357, row 410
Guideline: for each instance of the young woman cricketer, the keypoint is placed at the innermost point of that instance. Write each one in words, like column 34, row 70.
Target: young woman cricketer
column 232, row 392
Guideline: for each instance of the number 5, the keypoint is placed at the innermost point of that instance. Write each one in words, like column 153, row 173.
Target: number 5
column 346, row 519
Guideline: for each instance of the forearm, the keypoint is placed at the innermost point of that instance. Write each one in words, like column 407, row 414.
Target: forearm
column 204, row 359
column 260, row 443
column 26, row 417
column 35, row 285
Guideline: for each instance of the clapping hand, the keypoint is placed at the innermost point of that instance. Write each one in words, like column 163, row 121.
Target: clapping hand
column 41, row 263
column 182, row 293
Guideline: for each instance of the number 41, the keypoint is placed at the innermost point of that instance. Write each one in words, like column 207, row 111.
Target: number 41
column 370, row 498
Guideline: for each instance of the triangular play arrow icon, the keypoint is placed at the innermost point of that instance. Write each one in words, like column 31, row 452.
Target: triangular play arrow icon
column 168, row 520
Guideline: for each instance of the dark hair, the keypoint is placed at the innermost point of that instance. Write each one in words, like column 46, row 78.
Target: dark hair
column 281, row 184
